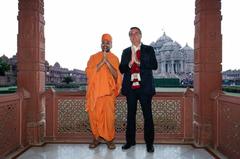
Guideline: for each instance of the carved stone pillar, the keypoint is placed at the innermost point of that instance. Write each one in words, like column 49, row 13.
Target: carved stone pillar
column 161, row 67
column 164, row 67
column 207, row 66
column 31, row 64
column 172, row 66
column 182, row 70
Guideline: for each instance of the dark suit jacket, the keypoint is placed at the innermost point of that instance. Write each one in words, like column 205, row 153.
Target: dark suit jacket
column 148, row 63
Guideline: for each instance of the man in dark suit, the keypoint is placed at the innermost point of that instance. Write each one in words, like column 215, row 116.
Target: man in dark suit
column 136, row 65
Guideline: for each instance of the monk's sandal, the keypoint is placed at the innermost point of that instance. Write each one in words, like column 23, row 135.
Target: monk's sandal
column 94, row 144
column 111, row 145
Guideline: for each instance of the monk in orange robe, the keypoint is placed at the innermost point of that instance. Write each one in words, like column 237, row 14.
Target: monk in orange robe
column 104, row 84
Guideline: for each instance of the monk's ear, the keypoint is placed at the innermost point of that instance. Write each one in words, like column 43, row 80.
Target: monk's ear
column 110, row 46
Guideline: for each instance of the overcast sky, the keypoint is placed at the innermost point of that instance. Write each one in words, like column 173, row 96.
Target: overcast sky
column 73, row 28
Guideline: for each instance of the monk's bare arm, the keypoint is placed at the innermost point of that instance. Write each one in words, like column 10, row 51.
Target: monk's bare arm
column 111, row 68
column 100, row 64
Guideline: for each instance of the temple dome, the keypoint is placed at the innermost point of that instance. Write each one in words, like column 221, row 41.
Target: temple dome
column 161, row 41
column 187, row 48
column 164, row 38
column 170, row 46
column 57, row 65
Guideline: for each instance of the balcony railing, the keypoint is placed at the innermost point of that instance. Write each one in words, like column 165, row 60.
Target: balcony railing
column 227, row 125
column 66, row 118
column 11, row 122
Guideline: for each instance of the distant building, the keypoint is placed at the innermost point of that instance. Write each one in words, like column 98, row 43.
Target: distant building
column 54, row 74
column 231, row 77
column 174, row 61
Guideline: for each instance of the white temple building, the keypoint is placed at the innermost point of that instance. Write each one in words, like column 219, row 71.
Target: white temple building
column 174, row 61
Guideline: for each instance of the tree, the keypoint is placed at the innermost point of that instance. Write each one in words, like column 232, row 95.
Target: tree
column 4, row 67
column 67, row 80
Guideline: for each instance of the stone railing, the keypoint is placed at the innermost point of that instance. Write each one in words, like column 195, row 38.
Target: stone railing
column 66, row 118
column 11, row 121
column 227, row 124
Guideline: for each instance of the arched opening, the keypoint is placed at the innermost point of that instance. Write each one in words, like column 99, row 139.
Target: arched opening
column 207, row 46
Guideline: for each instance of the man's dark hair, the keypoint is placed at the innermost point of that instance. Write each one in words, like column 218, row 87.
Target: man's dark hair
column 135, row 28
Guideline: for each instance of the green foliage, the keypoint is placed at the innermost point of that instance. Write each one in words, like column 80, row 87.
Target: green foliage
column 167, row 82
column 233, row 89
column 7, row 90
column 4, row 67
column 71, row 85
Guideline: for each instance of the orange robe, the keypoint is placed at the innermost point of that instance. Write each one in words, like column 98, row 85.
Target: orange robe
column 102, row 90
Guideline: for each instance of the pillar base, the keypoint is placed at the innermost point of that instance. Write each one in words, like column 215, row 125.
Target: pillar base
column 202, row 134
column 36, row 133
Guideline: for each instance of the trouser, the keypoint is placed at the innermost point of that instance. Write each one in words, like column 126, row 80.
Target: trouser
column 146, row 105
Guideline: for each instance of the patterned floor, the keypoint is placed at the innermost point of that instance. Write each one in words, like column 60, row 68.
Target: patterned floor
column 81, row 151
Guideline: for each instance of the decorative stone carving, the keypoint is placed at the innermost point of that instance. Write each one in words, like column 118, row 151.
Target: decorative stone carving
column 167, row 116
column 41, row 33
column 174, row 61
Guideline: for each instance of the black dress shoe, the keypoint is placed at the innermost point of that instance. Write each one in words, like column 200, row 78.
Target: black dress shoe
column 127, row 146
column 150, row 148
